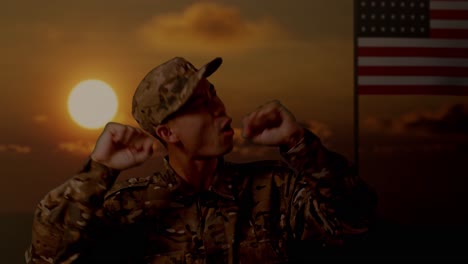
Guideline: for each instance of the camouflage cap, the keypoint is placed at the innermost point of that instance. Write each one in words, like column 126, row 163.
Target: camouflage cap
column 166, row 88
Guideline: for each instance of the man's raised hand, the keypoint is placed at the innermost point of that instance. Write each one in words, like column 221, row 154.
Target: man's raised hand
column 272, row 124
column 122, row 147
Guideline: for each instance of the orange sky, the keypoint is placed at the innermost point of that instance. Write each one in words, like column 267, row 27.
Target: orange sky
column 299, row 53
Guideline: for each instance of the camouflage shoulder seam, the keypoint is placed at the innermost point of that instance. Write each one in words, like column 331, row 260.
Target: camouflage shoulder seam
column 128, row 185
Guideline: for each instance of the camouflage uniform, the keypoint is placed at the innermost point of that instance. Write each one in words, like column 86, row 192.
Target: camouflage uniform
column 247, row 215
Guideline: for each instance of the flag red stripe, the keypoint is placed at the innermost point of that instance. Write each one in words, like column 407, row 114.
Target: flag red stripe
column 449, row 14
column 412, row 90
column 412, row 71
column 449, row 33
column 413, row 52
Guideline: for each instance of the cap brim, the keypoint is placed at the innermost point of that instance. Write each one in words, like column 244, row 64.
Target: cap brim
column 193, row 80
column 210, row 67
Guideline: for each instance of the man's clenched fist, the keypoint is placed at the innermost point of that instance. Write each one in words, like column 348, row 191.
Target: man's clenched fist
column 272, row 124
column 122, row 147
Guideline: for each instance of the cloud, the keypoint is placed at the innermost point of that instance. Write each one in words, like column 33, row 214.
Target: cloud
column 81, row 148
column 451, row 120
column 209, row 27
column 15, row 148
column 418, row 147
column 84, row 148
column 320, row 129
column 40, row 119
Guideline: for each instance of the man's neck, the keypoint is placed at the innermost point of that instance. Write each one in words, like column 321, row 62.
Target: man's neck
column 197, row 172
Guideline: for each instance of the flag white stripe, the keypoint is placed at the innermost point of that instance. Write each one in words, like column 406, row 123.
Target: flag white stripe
column 448, row 5
column 412, row 61
column 416, row 80
column 449, row 24
column 411, row 42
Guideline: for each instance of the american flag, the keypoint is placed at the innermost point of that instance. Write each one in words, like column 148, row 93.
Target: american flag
column 411, row 47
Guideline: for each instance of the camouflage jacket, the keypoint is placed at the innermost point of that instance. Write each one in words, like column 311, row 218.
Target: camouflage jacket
column 248, row 214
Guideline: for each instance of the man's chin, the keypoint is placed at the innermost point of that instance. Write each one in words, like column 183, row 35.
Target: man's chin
column 228, row 150
column 217, row 154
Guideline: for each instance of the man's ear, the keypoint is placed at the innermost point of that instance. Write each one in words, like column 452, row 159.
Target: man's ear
column 166, row 133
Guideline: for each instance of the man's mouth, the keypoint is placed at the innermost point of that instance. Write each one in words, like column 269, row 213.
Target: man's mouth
column 226, row 128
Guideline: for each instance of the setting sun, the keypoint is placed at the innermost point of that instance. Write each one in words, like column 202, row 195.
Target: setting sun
column 92, row 103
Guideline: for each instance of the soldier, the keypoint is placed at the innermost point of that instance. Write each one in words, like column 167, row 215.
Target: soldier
column 200, row 208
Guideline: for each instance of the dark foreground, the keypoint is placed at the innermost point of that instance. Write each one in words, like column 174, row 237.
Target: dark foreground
column 388, row 241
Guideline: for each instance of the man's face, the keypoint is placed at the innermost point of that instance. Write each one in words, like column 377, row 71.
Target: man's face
column 202, row 125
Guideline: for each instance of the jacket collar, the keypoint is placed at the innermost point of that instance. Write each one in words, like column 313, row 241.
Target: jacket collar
column 221, row 185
